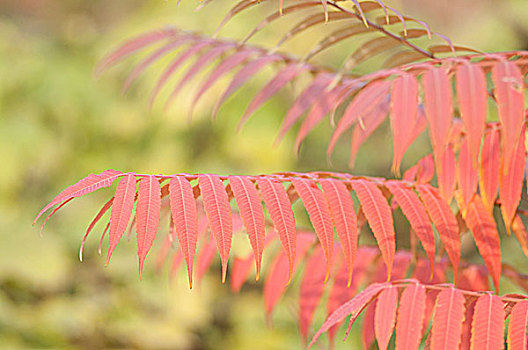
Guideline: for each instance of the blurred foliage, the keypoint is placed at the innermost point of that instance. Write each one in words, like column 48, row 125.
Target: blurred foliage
column 57, row 124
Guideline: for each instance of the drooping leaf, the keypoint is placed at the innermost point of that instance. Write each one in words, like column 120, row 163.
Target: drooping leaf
column 379, row 217
column 509, row 92
column 147, row 216
column 252, row 214
column 517, row 339
column 344, row 217
column 438, row 109
column 404, row 111
column 98, row 217
column 184, row 216
column 319, row 214
column 385, row 316
column 484, row 229
column 279, row 208
column 121, row 211
column 447, row 320
column 414, row 211
column 444, row 221
column 466, row 173
column 410, row 317
column 472, row 100
column 216, row 205
column 487, row 330
column 511, row 183
column 446, row 174
column 490, row 168
column 89, row 184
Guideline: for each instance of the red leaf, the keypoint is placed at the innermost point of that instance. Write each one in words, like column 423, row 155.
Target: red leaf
column 121, row 211
column 509, row 92
column 473, row 102
column 438, row 108
column 410, row 317
column 278, row 278
column 184, row 216
column 385, row 316
column 489, row 168
column 446, row 174
column 218, row 210
column 379, row 217
column 352, row 307
column 467, row 173
column 511, row 183
column 319, row 214
column 414, row 211
column 252, row 213
column 404, row 113
column 517, row 328
column 344, row 217
column 482, row 224
column 487, row 330
column 89, row 184
column 147, row 216
column 311, row 289
column 444, row 221
column 364, row 103
column 447, row 319
column 279, row 208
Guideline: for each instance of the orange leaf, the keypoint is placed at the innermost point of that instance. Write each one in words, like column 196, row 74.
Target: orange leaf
column 447, row 320
column 184, row 216
column 218, row 210
column 252, row 214
column 517, row 329
column 472, row 99
column 385, row 316
column 344, row 217
column 484, row 229
column 511, row 183
column 379, row 217
column 410, row 317
column 487, row 330
column 319, row 214
column 509, row 92
column 279, row 208
column 121, row 211
column 489, row 168
column 444, row 221
column 414, row 211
